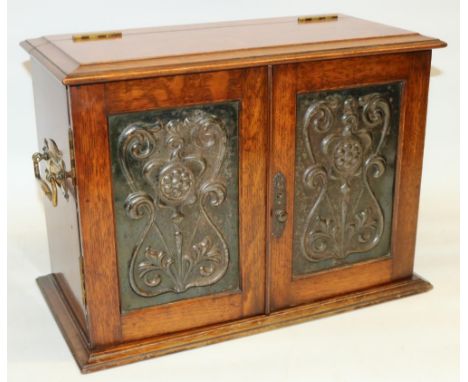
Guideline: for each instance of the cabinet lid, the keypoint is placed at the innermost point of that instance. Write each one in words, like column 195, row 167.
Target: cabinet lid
column 145, row 52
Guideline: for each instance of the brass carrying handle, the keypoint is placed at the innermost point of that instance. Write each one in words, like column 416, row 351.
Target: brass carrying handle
column 55, row 173
column 49, row 190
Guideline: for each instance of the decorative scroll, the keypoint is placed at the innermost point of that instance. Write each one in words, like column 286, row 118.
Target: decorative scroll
column 172, row 169
column 344, row 137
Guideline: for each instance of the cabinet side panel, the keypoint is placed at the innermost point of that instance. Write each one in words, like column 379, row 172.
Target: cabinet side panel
column 51, row 105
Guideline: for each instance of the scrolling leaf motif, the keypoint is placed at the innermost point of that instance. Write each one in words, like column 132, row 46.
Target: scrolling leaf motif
column 172, row 169
column 344, row 137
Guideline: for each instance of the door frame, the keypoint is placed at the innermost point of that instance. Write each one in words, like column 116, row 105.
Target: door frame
column 91, row 105
column 288, row 81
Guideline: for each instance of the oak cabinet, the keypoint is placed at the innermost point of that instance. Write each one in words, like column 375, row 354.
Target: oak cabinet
column 196, row 196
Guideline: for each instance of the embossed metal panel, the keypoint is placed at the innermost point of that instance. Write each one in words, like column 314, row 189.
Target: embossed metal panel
column 175, row 188
column 346, row 144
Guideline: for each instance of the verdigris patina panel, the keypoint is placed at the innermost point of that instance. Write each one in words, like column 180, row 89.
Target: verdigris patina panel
column 175, row 188
column 346, row 144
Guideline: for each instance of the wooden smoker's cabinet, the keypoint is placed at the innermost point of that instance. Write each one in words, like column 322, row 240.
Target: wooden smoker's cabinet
column 210, row 181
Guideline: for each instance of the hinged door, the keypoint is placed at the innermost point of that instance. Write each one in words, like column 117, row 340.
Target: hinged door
column 185, row 172
column 347, row 140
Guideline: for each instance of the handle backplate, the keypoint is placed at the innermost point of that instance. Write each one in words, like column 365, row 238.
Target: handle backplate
column 279, row 212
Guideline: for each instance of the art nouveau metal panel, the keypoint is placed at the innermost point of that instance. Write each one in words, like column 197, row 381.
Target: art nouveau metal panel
column 346, row 144
column 175, row 189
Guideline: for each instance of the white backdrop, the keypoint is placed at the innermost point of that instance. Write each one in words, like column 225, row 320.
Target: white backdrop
column 414, row 339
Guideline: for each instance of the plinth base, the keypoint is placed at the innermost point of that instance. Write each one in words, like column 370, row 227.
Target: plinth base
column 89, row 359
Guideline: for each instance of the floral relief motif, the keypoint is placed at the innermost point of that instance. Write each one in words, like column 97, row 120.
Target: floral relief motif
column 179, row 163
column 175, row 182
column 343, row 137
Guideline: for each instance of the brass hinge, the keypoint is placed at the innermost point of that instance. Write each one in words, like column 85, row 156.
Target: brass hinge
column 96, row 36
column 72, row 156
column 83, row 288
column 316, row 19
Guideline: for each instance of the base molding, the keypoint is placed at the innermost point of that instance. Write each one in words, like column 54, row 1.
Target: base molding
column 89, row 359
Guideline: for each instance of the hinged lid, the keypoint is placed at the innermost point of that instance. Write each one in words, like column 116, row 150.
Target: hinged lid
column 138, row 53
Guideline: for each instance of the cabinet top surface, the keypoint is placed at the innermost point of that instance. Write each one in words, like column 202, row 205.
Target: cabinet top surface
column 144, row 52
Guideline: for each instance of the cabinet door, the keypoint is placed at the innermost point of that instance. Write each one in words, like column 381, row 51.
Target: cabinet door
column 347, row 140
column 187, row 161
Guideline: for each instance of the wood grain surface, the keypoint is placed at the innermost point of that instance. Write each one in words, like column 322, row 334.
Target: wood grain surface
column 90, row 106
column 52, row 122
column 90, row 360
column 94, row 190
column 150, row 52
column 288, row 81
